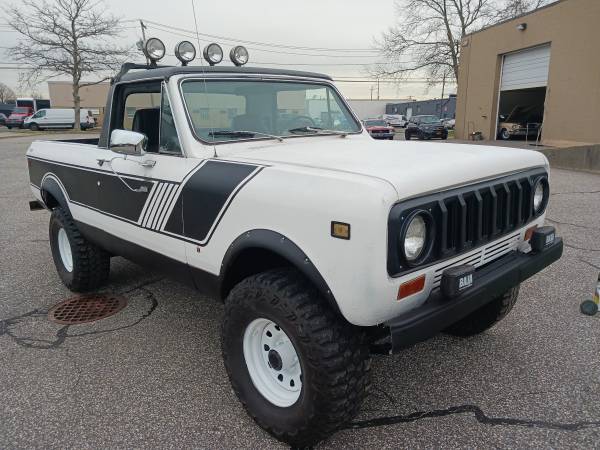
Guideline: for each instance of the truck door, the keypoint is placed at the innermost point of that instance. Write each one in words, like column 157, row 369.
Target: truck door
column 147, row 186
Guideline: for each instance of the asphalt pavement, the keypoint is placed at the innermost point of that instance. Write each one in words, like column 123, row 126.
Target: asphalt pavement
column 152, row 376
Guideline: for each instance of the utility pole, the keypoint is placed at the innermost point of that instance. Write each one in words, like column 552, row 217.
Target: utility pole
column 143, row 27
column 372, row 87
column 377, row 88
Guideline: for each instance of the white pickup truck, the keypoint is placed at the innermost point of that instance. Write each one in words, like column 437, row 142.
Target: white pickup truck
column 261, row 188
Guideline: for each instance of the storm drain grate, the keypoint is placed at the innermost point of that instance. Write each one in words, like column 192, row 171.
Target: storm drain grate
column 86, row 308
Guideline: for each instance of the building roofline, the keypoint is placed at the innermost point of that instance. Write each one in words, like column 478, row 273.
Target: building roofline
column 520, row 16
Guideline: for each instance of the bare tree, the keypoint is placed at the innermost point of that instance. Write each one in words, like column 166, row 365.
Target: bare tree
column 427, row 38
column 66, row 37
column 6, row 94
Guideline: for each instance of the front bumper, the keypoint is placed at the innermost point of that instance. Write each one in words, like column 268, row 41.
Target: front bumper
column 435, row 133
column 490, row 281
column 381, row 135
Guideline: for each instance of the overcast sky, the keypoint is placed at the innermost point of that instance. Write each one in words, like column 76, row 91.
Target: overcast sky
column 330, row 24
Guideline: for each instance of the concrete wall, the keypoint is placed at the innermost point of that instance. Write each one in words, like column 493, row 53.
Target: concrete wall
column 572, row 113
column 585, row 158
column 94, row 96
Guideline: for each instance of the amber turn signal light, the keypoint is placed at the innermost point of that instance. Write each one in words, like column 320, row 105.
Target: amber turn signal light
column 411, row 287
column 340, row 230
column 529, row 232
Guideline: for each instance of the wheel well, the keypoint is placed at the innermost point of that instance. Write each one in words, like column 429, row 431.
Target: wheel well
column 49, row 200
column 250, row 261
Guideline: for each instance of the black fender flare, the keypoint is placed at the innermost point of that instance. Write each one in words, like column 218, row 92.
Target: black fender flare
column 283, row 247
column 51, row 187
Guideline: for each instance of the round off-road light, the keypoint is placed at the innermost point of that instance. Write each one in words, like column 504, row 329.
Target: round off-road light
column 213, row 54
column 185, row 52
column 239, row 55
column 416, row 237
column 154, row 49
column 540, row 195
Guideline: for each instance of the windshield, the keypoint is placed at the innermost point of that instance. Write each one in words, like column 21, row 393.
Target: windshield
column 429, row 119
column 222, row 111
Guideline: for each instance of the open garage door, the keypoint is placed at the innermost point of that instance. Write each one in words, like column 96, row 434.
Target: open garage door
column 523, row 93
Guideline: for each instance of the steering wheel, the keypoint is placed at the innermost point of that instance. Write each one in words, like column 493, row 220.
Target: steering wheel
column 301, row 121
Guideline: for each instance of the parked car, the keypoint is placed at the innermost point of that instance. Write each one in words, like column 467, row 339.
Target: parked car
column 395, row 120
column 425, row 127
column 449, row 123
column 324, row 244
column 58, row 118
column 379, row 129
column 18, row 116
column 522, row 121
column 2, row 119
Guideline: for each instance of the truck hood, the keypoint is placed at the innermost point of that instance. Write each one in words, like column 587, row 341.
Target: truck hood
column 412, row 168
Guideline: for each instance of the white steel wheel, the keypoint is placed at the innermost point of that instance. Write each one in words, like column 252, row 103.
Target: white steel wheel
column 272, row 362
column 64, row 248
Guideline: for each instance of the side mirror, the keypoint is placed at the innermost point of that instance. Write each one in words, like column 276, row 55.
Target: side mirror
column 128, row 142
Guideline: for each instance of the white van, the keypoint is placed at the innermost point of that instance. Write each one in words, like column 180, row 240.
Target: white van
column 58, row 118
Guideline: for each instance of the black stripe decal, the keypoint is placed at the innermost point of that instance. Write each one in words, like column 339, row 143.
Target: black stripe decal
column 98, row 190
column 205, row 197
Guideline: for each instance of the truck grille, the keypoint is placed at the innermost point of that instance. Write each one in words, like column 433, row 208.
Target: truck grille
column 473, row 217
column 468, row 217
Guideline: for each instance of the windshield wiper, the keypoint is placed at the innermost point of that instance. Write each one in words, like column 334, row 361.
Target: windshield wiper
column 317, row 130
column 243, row 133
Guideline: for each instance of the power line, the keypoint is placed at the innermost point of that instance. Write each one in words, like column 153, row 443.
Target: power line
column 164, row 29
column 264, row 44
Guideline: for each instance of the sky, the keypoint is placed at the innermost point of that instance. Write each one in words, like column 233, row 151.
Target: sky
column 310, row 24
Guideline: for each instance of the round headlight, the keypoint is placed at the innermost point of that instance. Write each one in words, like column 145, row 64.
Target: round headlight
column 417, row 237
column 239, row 55
column 539, row 195
column 185, row 52
column 154, row 49
column 213, row 54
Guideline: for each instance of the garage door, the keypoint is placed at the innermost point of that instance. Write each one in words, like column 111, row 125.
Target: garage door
column 526, row 68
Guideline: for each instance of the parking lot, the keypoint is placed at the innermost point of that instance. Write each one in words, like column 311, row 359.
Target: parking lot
column 152, row 376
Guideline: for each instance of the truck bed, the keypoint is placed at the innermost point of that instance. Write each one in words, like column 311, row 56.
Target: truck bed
column 87, row 141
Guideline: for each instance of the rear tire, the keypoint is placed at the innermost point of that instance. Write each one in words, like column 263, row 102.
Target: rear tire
column 485, row 317
column 332, row 363
column 81, row 265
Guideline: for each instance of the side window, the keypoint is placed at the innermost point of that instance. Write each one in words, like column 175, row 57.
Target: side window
column 168, row 138
column 137, row 101
column 39, row 114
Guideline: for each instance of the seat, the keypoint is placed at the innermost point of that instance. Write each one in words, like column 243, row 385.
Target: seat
column 249, row 122
column 147, row 121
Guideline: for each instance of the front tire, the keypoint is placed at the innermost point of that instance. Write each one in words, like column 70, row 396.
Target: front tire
column 270, row 320
column 81, row 265
column 485, row 317
column 34, row 127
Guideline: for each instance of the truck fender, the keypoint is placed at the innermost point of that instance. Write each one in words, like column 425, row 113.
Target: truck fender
column 272, row 243
column 53, row 194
